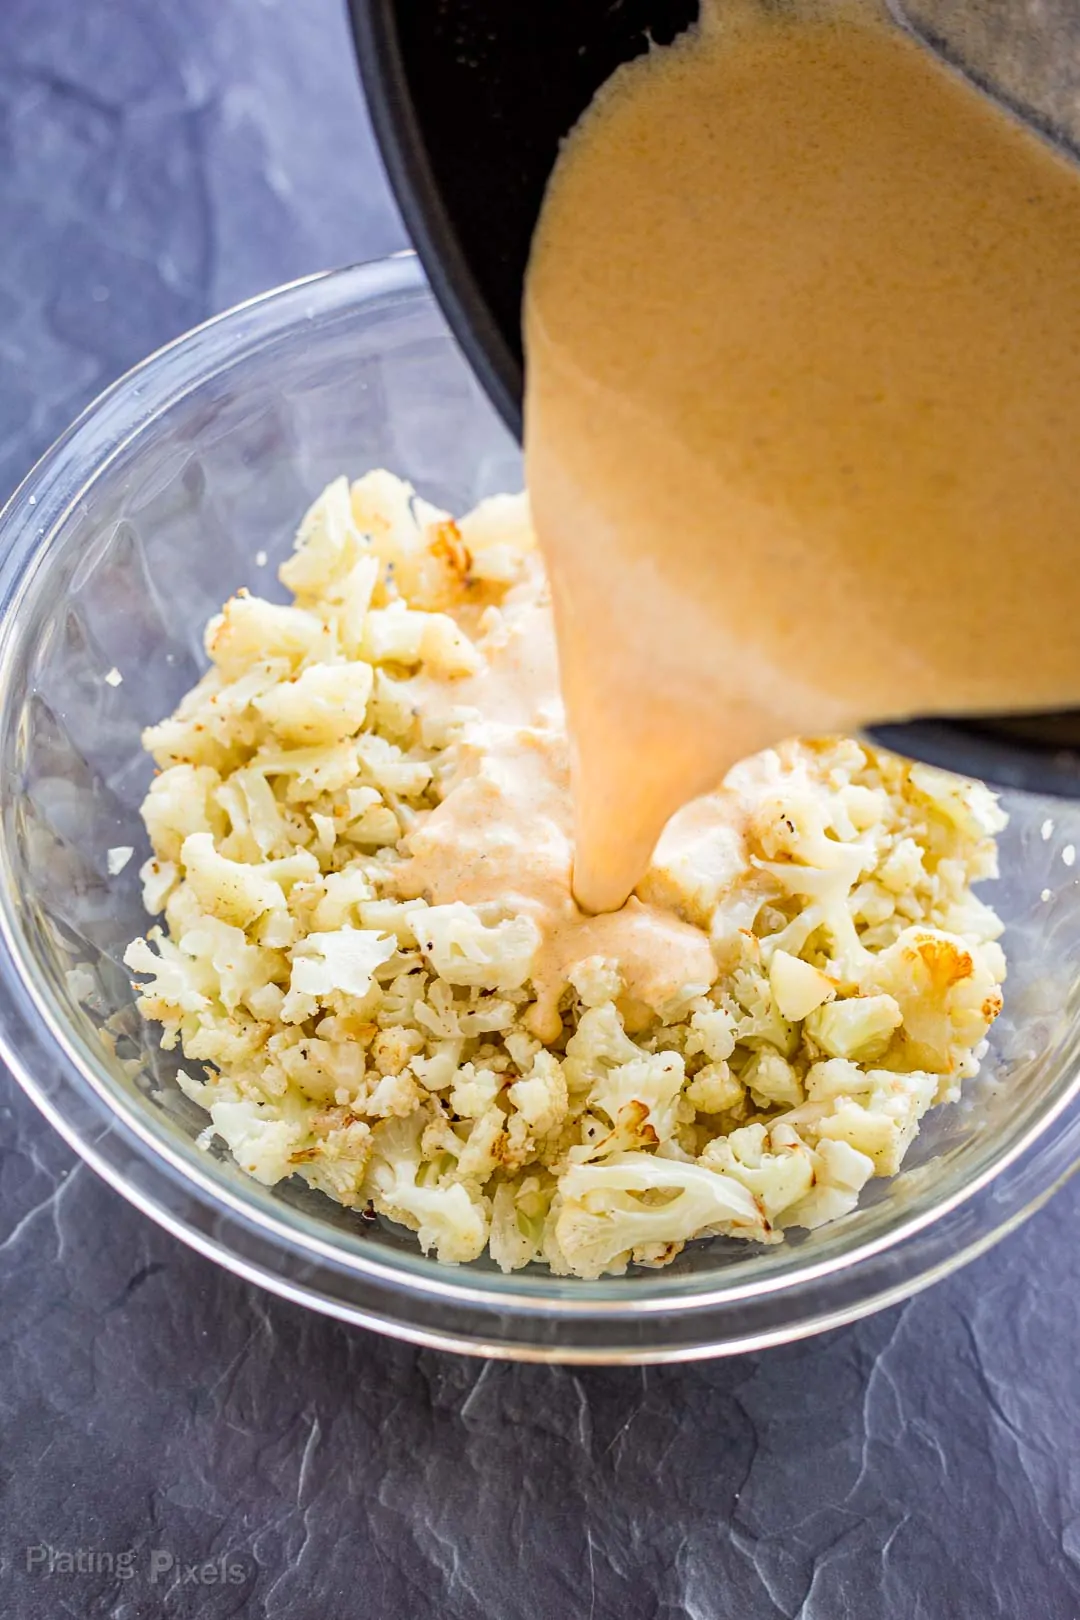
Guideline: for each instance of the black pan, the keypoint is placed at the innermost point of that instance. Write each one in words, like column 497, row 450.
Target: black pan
column 470, row 99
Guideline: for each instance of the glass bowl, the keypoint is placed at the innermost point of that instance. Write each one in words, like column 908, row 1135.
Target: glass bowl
column 186, row 481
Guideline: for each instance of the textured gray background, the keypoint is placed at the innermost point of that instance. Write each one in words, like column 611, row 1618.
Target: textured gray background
column 157, row 162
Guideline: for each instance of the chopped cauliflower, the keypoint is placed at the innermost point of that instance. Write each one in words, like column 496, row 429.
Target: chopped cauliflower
column 343, row 960
column 463, row 950
column 361, row 859
column 637, row 1201
column 447, row 1216
column 323, row 704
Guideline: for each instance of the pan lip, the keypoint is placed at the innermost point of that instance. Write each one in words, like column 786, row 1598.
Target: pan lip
column 974, row 748
column 397, row 129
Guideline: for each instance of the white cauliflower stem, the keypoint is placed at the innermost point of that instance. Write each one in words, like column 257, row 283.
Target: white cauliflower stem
column 636, row 1200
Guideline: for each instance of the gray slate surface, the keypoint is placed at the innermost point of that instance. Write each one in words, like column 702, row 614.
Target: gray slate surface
column 157, row 162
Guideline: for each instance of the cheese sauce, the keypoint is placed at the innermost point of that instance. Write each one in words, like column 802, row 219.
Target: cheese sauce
column 802, row 328
column 502, row 837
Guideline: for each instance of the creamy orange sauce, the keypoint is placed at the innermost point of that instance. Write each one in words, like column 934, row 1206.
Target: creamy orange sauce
column 503, row 836
column 803, row 410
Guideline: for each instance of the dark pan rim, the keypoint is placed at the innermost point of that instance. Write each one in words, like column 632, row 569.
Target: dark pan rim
column 397, row 129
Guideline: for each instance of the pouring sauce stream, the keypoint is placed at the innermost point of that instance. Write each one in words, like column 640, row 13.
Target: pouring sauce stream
column 802, row 425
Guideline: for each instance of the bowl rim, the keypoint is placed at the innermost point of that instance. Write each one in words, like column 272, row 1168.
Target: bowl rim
column 42, row 501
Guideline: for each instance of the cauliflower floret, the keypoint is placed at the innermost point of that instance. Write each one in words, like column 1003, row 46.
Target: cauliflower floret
column 443, row 1216
column 374, row 825
column 383, row 510
column 387, row 767
column 633, row 1200
column 394, row 635
column 903, row 871
column 464, row 950
column 501, row 521
column 598, row 1042
column 177, row 984
column 355, row 595
column 762, row 1020
column 792, row 828
column 336, row 1162
column 693, row 871
column 341, row 897
column 265, row 1001
column 392, row 917
column 474, row 1091
column 438, row 1069
column 541, row 1096
column 240, row 970
column 860, row 1027
column 323, row 704
column 259, row 1139
column 969, row 806
column 393, row 1096
column 776, row 1167
column 519, row 1211
column 216, row 724
column 892, row 1109
column 248, row 800
column 312, row 771
column 840, row 1174
column 875, row 1111
column 235, row 891
column 712, row 1031
column 485, row 1149
column 642, row 1095
column 344, row 961
column 881, row 1133
column 181, row 802
column 393, row 710
column 771, row 1079
column 447, row 651
column 715, row 1090
column 596, row 980
column 393, row 1048
column 400, row 635
column 947, row 995
column 327, row 543
column 249, row 631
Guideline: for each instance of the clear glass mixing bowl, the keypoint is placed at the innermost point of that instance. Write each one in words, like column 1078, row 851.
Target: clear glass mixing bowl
column 184, row 482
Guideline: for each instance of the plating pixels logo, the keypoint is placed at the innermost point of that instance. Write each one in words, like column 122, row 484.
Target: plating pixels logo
column 159, row 1565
